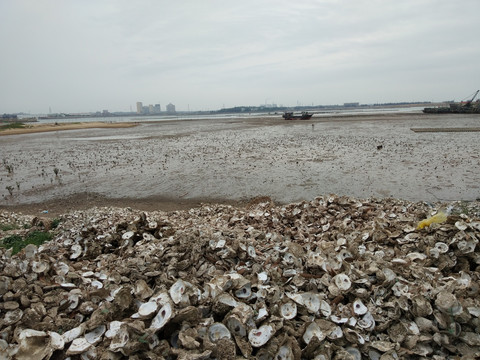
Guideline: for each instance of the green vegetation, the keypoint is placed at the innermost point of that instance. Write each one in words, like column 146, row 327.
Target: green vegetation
column 8, row 227
column 12, row 126
column 17, row 243
column 55, row 223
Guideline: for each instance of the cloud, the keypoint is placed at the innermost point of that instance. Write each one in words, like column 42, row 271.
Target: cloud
column 91, row 55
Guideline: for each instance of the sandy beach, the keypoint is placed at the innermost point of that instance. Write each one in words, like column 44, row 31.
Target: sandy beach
column 31, row 128
column 178, row 164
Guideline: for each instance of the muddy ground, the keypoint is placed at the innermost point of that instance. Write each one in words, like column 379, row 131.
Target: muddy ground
column 178, row 164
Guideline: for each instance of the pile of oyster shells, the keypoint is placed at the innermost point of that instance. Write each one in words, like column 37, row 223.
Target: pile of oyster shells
column 333, row 278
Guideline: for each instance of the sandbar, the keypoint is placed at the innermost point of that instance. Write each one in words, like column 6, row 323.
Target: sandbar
column 31, row 128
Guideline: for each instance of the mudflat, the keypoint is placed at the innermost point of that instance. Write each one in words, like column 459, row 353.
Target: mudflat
column 168, row 165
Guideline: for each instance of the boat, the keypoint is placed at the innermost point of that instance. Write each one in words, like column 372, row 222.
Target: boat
column 463, row 107
column 292, row 116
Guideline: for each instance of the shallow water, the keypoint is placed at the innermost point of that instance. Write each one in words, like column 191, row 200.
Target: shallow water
column 241, row 158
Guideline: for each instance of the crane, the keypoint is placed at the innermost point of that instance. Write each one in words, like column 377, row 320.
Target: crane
column 469, row 102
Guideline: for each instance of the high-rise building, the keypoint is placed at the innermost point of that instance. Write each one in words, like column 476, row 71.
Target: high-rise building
column 139, row 107
column 171, row 108
column 151, row 109
column 157, row 109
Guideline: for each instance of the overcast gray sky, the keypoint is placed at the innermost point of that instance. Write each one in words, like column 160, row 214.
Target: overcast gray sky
column 89, row 55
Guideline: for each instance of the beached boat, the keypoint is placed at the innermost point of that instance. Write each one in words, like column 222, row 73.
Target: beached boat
column 292, row 116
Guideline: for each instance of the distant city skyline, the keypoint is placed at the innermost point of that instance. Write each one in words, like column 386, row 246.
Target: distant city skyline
column 154, row 109
column 87, row 56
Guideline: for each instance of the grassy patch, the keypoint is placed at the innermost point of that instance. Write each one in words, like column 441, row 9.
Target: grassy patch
column 12, row 126
column 8, row 227
column 55, row 223
column 17, row 243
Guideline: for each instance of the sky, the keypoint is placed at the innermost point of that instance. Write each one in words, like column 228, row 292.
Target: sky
column 94, row 55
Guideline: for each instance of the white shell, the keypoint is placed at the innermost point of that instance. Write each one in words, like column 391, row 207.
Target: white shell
column 177, row 291
column 162, row 317
column 325, row 308
column 467, row 246
column 76, row 251
column 342, row 281
column 236, row 326
column 128, row 235
column 161, row 298
column 31, row 333
column 441, row 247
column 73, row 298
column 95, row 336
column 460, row 225
column 218, row 331
column 78, row 346
column 260, row 336
column 262, row 313
column 39, row 266
column 72, row 334
column 56, row 340
column 338, row 320
column 227, row 299
column 367, row 322
column 61, row 269
column 288, row 310
column 389, row 274
column 244, row 292
column 310, row 300
column 262, row 276
column 359, row 308
column 313, row 330
column 147, row 308
column 120, row 339
column 416, row 256
column 336, row 333
column 96, row 284
column 113, row 328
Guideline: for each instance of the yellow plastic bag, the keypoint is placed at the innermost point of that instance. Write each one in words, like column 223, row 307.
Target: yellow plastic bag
column 438, row 218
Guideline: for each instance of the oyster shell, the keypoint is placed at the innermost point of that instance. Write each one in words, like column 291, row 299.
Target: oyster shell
column 313, row 330
column 78, row 346
column 259, row 337
column 218, row 331
column 288, row 310
column 163, row 317
column 334, row 277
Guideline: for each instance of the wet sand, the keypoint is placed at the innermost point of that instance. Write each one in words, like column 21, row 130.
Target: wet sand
column 178, row 164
